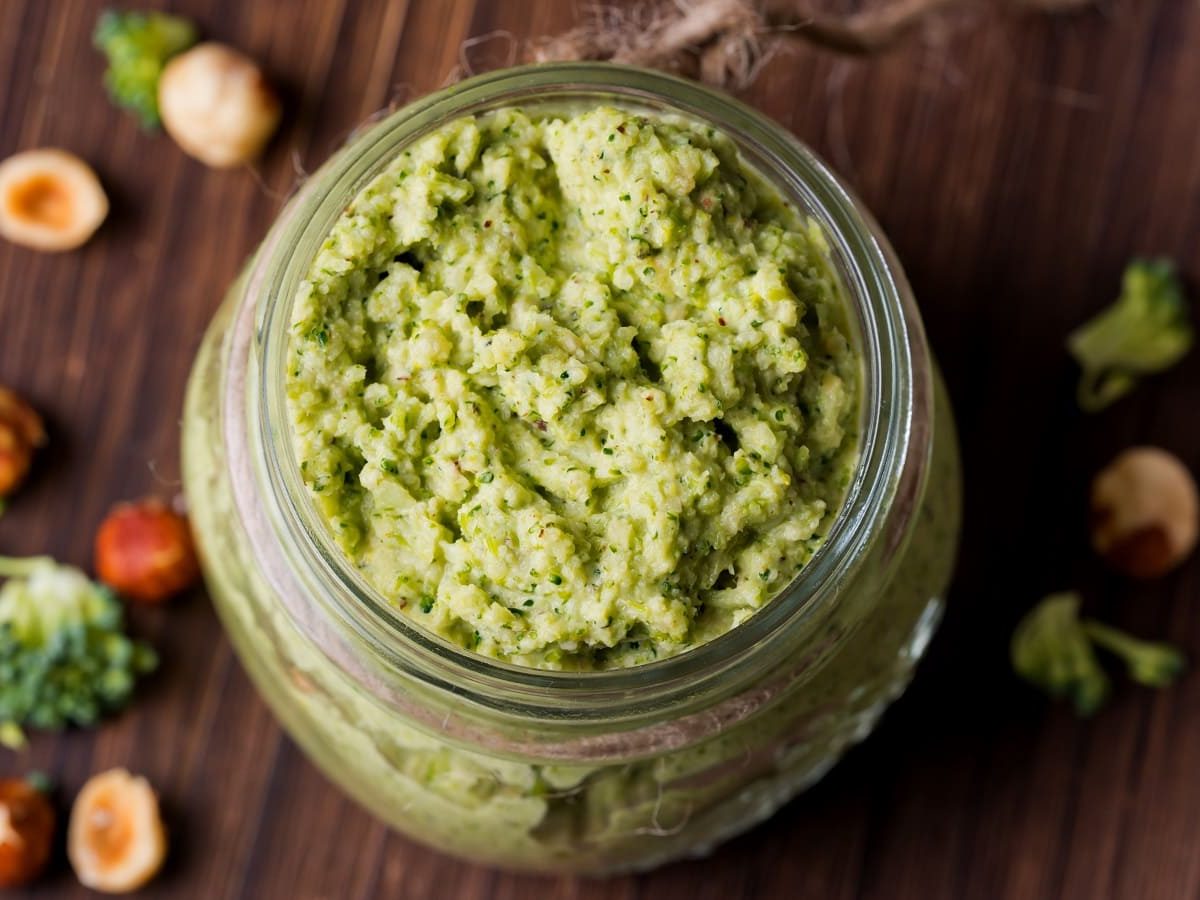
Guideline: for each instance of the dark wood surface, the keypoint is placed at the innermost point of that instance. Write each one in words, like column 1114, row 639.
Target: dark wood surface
column 1016, row 165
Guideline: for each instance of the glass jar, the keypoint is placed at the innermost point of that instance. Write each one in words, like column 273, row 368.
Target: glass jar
column 584, row 772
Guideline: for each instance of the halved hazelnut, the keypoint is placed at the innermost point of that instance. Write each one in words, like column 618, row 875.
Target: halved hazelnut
column 50, row 200
column 116, row 841
column 1145, row 512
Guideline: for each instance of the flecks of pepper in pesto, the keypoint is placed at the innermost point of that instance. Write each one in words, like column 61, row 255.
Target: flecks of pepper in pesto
column 575, row 392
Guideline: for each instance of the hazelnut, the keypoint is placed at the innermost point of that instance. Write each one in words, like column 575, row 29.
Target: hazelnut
column 1145, row 512
column 21, row 432
column 217, row 105
column 50, row 200
column 26, row 832
column 144, row 551
column 116, row 841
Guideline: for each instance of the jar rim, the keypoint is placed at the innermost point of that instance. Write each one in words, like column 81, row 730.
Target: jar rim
column 870, row 279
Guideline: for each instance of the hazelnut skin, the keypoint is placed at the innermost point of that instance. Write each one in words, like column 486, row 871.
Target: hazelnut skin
column 21, row 432
column 144, row 551
column 1145, row 512
column 26, row 832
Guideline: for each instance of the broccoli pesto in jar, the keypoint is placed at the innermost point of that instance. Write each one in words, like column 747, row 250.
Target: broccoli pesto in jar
column 577, row 391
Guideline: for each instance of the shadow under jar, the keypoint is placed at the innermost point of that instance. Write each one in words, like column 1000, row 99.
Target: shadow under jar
column 597, row 771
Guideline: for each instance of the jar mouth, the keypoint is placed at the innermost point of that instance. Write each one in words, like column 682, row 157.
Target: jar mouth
column 869, row 281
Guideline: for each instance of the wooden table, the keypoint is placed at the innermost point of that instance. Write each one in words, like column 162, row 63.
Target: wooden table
column 1017, row 165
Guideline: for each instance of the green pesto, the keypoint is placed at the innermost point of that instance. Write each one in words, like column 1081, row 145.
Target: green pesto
column 575, row 392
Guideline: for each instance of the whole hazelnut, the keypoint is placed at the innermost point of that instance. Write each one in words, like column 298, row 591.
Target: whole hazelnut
column 26, row 832
column 21, row 432
column 144, row 551
column 217, row 105
column 1145, row 512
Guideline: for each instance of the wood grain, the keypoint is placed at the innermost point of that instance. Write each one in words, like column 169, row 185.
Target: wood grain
column 1016, row 166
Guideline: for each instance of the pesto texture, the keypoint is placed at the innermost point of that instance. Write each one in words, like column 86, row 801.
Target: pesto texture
column 575, row 392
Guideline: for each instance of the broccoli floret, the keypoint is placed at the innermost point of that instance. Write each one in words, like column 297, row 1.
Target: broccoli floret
column 1149, row 663
column 1051, row 650
column 64, row 656
column 1145, row 331
column 137, row 46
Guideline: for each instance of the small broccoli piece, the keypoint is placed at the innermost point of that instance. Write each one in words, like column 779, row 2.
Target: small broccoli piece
column 64, row 656
column 137, row 46
column 1145, row 331
column 1051, row 650
column 1149, row 663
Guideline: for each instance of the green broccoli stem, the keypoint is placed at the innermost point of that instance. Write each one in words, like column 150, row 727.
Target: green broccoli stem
column 21, row 566
column 64, row 649
column 1145, row 331
column 1102, row 388
column 1150, row 663
column 40, row 782
column 12, row 736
